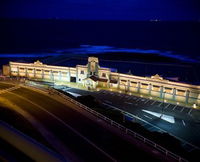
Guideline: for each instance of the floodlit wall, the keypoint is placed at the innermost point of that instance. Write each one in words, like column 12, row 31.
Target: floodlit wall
column 152, row 86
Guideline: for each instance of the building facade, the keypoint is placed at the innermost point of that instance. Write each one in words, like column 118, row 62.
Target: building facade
column 93, row 76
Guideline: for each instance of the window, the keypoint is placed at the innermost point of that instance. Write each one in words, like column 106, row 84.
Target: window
column 103, row 75
column 180, row 92
column 168, row 90
column 156, row 88
column 145, row 86
column 123, row 80
column 82, row 72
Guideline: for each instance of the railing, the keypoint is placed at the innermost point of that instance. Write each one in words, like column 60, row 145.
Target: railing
column 121, row 127
column 126, row 130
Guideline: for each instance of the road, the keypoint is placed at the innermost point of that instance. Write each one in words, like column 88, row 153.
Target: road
column 87, row 139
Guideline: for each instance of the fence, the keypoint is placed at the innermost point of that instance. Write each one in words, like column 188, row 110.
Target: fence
column 126, row 130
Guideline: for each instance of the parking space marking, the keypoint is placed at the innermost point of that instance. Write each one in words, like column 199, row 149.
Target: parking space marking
column 182, row 109
column 130, row 97
column 166, row 106
column 108, row 101
column 129, row 103
column 183, row 122
column 190, row 111
column 146, row 101
column 153, row 102
column 152, row 129
column 137, row 99
column 67, row 88
column 160, row 104
column 147, row 117
column 143, row 125
column 174, row 107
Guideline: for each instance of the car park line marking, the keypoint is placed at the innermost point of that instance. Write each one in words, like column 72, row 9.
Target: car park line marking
column 183, row 122
column 143, row 125
column 152, row 128
column 167, row 106
column 129, row 103
column 129, row 98
column 182, row 109
column 174, row 107
column 153, row 102
column 146, row 101
column 160, row 104
column 108, row 101
column 190, row 111
column 147, row 117
column 66, row 88
column 148, row 123
column 137, row 100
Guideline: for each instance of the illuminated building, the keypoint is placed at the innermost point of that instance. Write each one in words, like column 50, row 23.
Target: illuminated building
column 92, row 76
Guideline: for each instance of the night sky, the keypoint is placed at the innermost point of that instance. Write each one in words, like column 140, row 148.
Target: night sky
column 102, row 9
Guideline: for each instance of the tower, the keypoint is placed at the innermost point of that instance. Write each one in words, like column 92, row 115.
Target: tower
column 93, row 66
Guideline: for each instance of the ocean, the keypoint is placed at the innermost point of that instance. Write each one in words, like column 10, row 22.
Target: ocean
column 36, row 36
column 30, row 39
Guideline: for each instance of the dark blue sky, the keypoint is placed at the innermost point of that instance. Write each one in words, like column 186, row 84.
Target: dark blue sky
column 102, row 9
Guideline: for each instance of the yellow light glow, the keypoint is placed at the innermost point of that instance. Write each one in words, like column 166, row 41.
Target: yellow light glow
column 194, row 106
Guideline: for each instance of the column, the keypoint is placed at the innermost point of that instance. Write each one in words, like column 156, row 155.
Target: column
column 34, row 73
column 42, row 73
column 118, row 83
column 128, row 86
column 26, row 73
column 18, row 71
column 51, row 75
column 69, row 76
column 138, row 87
column 161, row 92
column 60, row 75
column 174, row 94
column 187, row 95
column 150, row 88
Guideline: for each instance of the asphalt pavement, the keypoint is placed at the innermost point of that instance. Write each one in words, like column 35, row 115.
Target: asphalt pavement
column 85, row 138
column 181, row 122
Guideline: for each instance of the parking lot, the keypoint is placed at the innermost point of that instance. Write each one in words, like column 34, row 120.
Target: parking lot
column 179, row 121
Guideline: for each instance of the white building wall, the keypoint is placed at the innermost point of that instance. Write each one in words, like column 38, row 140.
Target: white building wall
column 154, row 86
